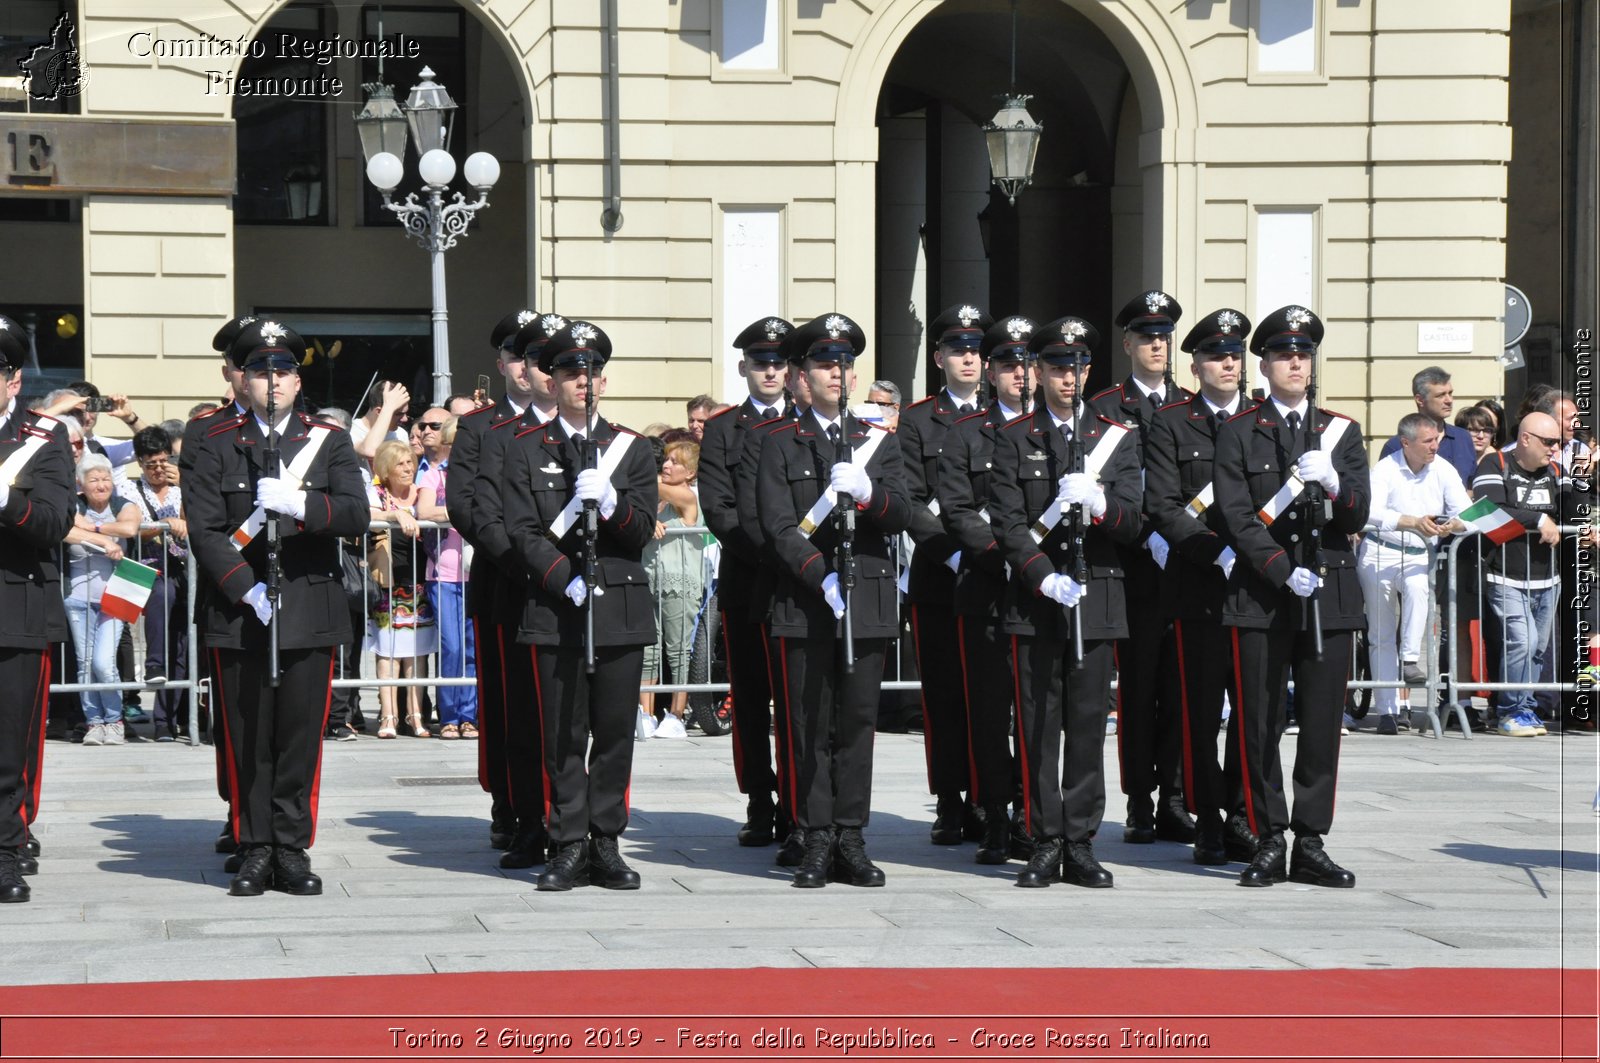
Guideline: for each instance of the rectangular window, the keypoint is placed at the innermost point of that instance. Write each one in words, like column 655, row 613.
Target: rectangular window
column 1286, row 36
column 752, row 281
column 1284, row 266
column 748, row 35
column 40, row 62
column 283, row 136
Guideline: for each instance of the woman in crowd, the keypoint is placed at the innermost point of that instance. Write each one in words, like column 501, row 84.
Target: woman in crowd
column 159, row 500
column 1479, row 422
column 677, row 575
column 94, row 546
column 447, row 581
column 401, row 628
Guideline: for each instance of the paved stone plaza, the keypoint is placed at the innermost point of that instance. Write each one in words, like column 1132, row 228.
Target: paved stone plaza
column 1477, row 853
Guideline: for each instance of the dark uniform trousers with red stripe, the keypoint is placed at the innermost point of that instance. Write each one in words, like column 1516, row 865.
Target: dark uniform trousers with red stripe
column 966, row 463
column 830, row 713
column 272, row 737
column 1272, row 637
column 586, row 720
column 1061, row 702
column 33, row 522
column 510, row 747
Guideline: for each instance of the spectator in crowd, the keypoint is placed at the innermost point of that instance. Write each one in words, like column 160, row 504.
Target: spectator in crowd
column 428, row 436
column 676, row 566
column 1522, row 575
column 72, row 402
column 401, row 630
column 447, row 581
column 460, row 405
column 94, row 546
column 385, row 404
column 886, row 393
column 166, row 633
column 1415, row 499
column 1435, row 398
column 1481, row 427
column 656, row 429
column 700, row 407
column 345, row 718
column 1502, row 433
column 414, row 439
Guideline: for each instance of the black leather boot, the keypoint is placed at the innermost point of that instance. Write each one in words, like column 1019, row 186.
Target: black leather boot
column 1173, row 822
column 1044, row 866
column 850, row 861
column 12, row 889
column 1267, row 866
column 818, row 859
column 1209, row 848
column 225, row 842
column 527, row 848
column 291, row 872
column 948, row 814
column 568, row 868
column 1079, row 867
column 995, row 848
column 1311, row 865
column 793, row 850
column 607, row 868
column 27, row 863
column 1022, row 843
column 33, row 845
column 758, row 821
column 502, row 830
column 234, row 861
column 1239, row 840
column 1140, row 826
column 972, row 821
column 255, row 872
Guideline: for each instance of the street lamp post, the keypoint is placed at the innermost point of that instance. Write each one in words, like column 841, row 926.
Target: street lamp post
column 435, row 224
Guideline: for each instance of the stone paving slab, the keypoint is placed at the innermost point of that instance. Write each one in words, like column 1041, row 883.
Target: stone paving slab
column 1444, row 836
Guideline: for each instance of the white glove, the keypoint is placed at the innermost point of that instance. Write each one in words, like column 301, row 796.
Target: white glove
column 852, row 480
column 5, row 494
column 577, row 590
column 954, row 561
column 1303, row 582
column 832, row 595
column 256, row 598
column 1159, row 549
column 1064, row 589
column 275, row 494
column 1225, row 561
column 1316, row 467
column 1080, row 488
column 594, row 486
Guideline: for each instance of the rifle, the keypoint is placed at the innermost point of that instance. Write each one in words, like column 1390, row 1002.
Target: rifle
column 591, row 521
column 1075, row 517
column 844, row 515
column 272, row 461
column 1317, row 514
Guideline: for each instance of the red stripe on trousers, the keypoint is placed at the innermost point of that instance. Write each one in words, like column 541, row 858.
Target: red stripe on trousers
column 483, row 702
column 31, row 787
column 1022, row 742
column 966, row 705
column 316, row 776
column 788, row 723
column 538, row 697
column 227, row 737
column 1244, row 759
column 1183, row 701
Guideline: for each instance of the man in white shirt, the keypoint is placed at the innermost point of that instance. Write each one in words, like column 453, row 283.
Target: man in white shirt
column 1415, row 499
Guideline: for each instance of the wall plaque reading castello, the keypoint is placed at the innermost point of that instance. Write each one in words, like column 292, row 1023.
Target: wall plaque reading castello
column 71, row 156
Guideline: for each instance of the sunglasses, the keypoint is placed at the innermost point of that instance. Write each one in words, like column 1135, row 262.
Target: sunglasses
column 431, row 426
column 1547, row 441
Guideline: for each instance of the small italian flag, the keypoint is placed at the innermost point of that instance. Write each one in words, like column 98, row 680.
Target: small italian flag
column 127, row 590
column 1491, row 520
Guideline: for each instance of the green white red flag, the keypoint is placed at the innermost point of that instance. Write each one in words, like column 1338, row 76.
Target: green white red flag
column 1491, row 520
column 128, row 590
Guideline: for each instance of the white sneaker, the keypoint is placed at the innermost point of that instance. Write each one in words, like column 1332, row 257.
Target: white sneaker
column 1349, row 722
column 114, row 734
column 644, row 728
column 671, row 727
column 96, row 735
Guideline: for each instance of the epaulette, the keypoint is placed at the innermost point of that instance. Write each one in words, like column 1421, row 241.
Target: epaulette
column 623, row 430
column 719, row 413
column 1021, row 418
column 36, row 431
column 1332, row 413
column 46, row 419
column 540, row 427
column 970, row 416
column 785, row 428
column 769, row 420
column 509, row 420
column 1243, row 411
column 480, row 409
column 314, row 422
column 210, row 413
column 1108, row 420
column 1176, row 403
column 1101, row 394
column 921, row 402
column 228, row 425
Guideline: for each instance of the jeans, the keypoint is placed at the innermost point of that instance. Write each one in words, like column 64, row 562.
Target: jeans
column 94, row 637
column 457, row 658
column 1520, row 629
column 166, row 637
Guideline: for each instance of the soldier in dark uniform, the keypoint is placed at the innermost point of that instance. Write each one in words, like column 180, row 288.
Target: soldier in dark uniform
column 1059, row 528
column 762, row 591
column 506, row 696
column 810, row 472
column 1285, row 477
column 1180, row 504
column 966, row 466
column 1148, row 724
column 957, row 334
column 554, row 472
column 273, row 734
column 722, row 451
column 36, row 510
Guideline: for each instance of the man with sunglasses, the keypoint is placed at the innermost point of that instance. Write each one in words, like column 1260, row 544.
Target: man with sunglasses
column 1531, row 486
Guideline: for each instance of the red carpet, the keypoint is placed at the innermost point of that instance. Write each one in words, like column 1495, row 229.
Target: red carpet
column 826, row 1014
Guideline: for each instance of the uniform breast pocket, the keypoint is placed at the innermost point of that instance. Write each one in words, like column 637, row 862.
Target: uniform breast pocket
column 238, row 497
column 804, row 487
column 624, row 599
column 1189, row 453
column 1265, row 476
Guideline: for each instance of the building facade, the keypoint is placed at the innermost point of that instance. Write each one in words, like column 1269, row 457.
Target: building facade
column 672, row 169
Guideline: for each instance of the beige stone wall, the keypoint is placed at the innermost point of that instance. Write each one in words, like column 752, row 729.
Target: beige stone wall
column 1398, row 143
